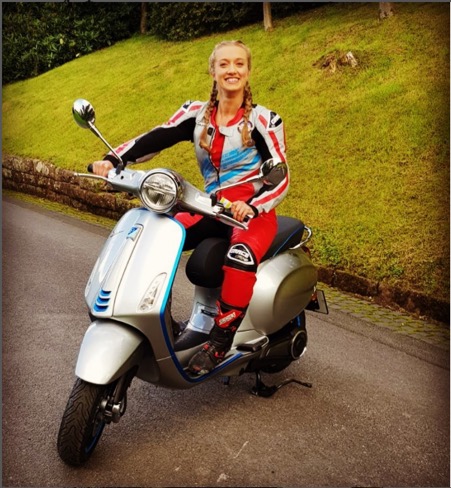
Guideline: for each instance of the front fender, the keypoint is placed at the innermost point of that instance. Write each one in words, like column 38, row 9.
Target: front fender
column 109, row 349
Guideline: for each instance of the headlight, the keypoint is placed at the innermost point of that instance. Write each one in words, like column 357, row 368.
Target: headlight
column 160, row 191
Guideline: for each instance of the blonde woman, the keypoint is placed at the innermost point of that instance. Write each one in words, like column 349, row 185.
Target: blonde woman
column 232, row 138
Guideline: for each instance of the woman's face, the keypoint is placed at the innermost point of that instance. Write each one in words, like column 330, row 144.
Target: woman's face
column 231, row 69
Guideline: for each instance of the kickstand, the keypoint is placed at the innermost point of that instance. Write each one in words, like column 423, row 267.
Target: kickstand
column 260, row 389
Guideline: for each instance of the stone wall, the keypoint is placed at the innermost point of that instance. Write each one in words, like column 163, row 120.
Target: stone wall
column 47, row 181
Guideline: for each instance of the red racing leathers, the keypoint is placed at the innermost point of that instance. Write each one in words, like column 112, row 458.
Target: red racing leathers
column 228, row 162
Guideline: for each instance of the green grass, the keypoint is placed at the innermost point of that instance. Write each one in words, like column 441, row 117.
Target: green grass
column 368, row 147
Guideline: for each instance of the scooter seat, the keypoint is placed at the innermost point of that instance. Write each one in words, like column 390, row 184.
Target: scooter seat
column 204, row 267
column 289, row 234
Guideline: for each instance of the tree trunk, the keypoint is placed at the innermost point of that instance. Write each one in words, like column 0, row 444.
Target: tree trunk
column 267, row 17
column 143, row 24
column 385, row 10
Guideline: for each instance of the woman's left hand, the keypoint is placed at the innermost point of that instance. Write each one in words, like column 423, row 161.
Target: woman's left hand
column 241, row 210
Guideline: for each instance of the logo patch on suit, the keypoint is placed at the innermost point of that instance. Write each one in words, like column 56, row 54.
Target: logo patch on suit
column 241, row 254
column 250, row 126
column 274, row 120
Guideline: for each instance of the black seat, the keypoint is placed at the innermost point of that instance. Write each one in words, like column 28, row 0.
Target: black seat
column 204, row 267
column 289, row 233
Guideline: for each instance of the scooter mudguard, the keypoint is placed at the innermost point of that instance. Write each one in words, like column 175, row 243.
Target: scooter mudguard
column 109, row 349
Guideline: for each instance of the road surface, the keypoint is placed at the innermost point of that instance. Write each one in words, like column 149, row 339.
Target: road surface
column 378, row 412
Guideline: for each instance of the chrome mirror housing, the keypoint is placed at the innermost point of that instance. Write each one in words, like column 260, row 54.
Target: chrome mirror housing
column 83, row 113
column 272, row 171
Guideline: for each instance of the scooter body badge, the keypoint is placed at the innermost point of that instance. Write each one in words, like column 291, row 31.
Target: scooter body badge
column 134, row 232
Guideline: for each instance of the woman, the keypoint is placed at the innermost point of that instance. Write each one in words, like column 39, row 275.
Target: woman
column 232, row 138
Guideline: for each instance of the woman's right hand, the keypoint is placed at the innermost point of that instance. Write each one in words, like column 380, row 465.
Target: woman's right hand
column 102, row 168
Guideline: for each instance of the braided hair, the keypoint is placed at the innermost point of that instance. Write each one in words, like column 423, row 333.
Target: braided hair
column 247, row 100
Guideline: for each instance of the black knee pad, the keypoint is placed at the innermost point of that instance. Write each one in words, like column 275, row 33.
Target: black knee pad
column 241, row 256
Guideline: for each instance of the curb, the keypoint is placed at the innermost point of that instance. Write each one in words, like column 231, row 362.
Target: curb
column 397, row 321
column 45, row 180
column 390, row 296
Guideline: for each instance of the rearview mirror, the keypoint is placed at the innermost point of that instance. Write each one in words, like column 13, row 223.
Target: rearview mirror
column 84, row 114
column 85, row 117
column 273, row 171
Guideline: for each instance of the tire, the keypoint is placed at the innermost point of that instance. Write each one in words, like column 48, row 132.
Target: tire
column 82, row 424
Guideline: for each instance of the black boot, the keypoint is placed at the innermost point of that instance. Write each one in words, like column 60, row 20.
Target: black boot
column 221, row 339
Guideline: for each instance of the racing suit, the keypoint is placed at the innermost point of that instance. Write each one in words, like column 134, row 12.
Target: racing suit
column 228, row 162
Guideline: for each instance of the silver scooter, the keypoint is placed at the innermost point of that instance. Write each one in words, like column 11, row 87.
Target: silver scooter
column 129, row 297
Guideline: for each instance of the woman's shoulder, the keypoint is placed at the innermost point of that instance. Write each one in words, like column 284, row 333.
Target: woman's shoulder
column 189, row 110
column 193, row 107
column 265, row 117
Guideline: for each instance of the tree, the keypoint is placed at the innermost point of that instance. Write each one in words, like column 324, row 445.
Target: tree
column 267, row 17
column 143, row 22
column 385, row 10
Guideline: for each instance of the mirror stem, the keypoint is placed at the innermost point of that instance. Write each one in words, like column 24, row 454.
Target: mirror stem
column 94, row 129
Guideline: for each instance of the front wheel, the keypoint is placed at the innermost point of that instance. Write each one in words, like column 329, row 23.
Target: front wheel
column 83, row 421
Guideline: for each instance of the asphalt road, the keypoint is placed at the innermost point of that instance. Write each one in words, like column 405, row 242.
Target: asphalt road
column 377, row 415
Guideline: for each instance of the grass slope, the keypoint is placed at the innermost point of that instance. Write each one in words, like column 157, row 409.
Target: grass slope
column 368, row 147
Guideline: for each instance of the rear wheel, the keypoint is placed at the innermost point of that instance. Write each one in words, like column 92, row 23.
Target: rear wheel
column 83, row 421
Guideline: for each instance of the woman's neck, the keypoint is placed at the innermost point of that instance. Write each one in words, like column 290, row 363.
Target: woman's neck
column 227, row 108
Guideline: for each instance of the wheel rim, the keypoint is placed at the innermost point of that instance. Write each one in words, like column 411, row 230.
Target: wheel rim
column 97, row 429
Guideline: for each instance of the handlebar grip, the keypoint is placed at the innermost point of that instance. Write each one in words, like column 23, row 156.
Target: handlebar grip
column 90, row 168
column 230, row 214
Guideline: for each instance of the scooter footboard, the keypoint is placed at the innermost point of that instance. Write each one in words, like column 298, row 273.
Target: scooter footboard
column 108, row 350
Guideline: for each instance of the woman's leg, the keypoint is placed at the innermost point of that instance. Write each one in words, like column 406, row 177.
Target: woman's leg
column 247, row 248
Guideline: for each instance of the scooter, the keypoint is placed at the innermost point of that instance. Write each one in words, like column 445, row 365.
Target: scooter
column 129, row 295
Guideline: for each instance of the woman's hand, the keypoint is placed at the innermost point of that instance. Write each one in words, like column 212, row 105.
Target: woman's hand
column 241, row 210
column 102, row 168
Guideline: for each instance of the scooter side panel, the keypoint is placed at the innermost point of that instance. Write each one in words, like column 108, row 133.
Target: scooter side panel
column 108, row 351
column 283, row 289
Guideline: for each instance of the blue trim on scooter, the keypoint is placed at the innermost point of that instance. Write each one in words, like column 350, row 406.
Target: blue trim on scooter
column 174, row 357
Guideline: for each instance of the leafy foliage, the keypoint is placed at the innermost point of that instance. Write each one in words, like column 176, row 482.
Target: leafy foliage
column 182, row 21
column 38, row 37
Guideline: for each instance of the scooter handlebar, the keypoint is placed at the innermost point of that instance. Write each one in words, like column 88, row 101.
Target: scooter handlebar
column 227, row 218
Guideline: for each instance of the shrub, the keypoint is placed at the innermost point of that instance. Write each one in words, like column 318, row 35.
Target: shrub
column 40, row 36
column 182, row 21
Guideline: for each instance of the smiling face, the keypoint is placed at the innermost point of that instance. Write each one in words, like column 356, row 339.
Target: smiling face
column 230, row 69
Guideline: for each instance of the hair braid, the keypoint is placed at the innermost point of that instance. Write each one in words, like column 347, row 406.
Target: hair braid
column 203, row 137
column 247, row 102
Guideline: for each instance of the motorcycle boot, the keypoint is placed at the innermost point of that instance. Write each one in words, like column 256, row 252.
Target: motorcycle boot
column 220, row 341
